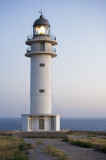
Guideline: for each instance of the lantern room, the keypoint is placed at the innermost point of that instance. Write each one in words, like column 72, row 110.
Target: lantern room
column 41, row 26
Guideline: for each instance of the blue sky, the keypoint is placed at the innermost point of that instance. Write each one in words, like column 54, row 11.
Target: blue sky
column 79, row 70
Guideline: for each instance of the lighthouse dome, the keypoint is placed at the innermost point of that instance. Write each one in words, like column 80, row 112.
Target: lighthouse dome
column 41, row 21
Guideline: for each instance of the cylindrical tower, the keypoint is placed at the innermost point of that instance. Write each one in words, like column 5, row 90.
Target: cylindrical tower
column 40, row 52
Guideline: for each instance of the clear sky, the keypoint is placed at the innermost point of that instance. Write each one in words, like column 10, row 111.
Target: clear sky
column 79, row 70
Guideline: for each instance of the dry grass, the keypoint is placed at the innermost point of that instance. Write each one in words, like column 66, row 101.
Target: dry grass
column 95, row 140
column 13, row 148
column 88, row 139
column 8, row 146
column 38, row 141
column 88, row 133
column 55, row 153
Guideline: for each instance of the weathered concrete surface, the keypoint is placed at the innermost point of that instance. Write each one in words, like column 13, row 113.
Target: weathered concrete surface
column 73, row 152
column 36, row 134
column 44, row 134
column 37, row 153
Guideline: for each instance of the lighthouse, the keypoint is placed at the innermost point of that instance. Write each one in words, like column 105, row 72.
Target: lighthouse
column 40, row 52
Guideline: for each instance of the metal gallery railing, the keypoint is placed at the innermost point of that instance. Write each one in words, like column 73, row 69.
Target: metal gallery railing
column 29, row 37
column 46, row 49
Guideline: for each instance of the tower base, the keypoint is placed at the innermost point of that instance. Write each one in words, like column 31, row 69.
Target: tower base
column 47, row 122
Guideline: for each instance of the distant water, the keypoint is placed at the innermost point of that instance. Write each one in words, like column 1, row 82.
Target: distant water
column 7, row 124
column 88, row 124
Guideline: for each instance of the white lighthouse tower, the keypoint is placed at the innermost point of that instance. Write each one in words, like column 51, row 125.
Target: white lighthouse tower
column 41, row 53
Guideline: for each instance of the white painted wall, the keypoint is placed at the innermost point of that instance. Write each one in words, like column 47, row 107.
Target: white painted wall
column 40, row 78
column 35, row 123
column 57, row 123
column 40, row 103
column 47, row 123
column 35, row 46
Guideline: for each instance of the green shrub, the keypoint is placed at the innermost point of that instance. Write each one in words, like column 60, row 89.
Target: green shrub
column 100, row 148
column 18, row 157
column 83, row 144
column 97, row 147
column 24, row 146
column 79, row 143
column 104, row 149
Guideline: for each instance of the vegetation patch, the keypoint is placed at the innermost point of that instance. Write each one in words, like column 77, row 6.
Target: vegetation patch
column 88, row 133
column 95, row 143
column 101, row 148
column 13, row 148
column 18, row 157
column 8, row 146
column 38, row 141
column 79, row 143
column 53, row 151
column 23, row 146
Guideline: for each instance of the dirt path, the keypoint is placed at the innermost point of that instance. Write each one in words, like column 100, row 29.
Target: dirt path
column 73, row 152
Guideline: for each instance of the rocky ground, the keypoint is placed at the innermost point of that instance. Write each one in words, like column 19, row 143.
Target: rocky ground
column 73, row 152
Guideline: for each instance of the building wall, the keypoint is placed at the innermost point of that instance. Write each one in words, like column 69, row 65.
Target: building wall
column 35, row 123
column 57, row 123
column 47, row 124
column 35, row 46
column 40, row 103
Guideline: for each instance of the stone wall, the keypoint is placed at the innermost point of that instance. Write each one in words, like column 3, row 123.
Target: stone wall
column 44, row 134
column 9, row 132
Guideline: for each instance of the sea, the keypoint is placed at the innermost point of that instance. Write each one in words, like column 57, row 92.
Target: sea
column 86, row 124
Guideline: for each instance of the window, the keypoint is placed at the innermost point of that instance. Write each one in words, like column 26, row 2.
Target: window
column 41, row 90
column 30, row 124
column 52, row 122
column 42, row 64
column 41, row 122
column 42, row 46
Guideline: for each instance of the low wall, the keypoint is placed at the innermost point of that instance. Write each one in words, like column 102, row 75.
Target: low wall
column 43, row 134
column 9, row 132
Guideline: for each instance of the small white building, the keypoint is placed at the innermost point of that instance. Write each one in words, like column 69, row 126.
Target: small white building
column 40, row 52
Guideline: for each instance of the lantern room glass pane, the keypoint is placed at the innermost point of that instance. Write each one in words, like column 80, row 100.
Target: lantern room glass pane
column 41, row 30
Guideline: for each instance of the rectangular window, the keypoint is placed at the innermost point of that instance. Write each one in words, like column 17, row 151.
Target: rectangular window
column 30, row 124
column 41, row 123
column 41, row 90
column 52, row 123
column 42, row 64
column 42, row 46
